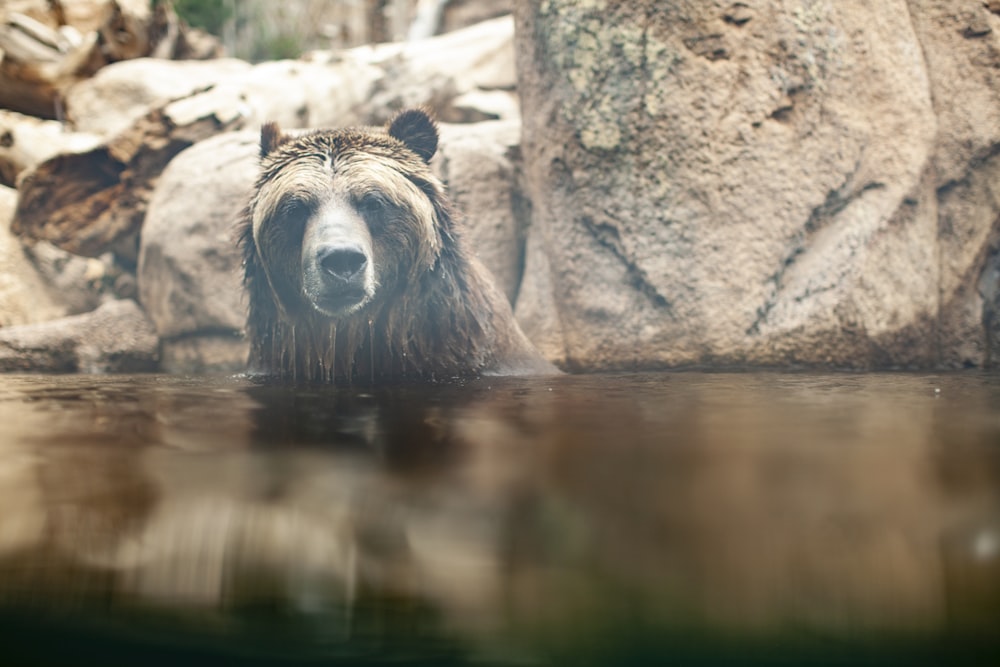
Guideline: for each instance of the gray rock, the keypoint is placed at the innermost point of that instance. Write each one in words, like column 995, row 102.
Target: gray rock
column 535, row 308
column 115, row 338
column 768, row 184
column 189, row 266
column 79, row 283
column 961, row 193
column 475, row 162
column 26, row 296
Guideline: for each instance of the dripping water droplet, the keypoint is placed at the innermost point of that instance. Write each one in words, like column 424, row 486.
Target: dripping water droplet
column 307, row 370
column 371, row 350
column 273, row 362
column 333, row 353
column 294, row 357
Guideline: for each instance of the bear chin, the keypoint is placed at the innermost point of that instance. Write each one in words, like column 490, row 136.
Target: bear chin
column 333, row 297
column 339, row 308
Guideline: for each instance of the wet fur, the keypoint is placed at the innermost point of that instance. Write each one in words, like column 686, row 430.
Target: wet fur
column 443, row 320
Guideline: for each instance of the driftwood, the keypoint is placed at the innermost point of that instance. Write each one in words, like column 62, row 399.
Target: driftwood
column 91, row 202
column 46, row 49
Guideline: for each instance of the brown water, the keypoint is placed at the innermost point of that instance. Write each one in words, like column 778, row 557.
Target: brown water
column 665, row 518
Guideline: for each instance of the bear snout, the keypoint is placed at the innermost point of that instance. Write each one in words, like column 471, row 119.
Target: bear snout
column 337, row 278
column 338, row 272
column 344, row 264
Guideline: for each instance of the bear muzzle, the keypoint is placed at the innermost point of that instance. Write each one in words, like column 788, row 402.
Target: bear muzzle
column 338, row 272
column 337, row 279
column 343, row 264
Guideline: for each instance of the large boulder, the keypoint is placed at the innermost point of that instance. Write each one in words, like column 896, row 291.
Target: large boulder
column 760, row 183
column 189, row 266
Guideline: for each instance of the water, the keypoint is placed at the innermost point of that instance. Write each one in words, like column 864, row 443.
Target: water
column 753, row 518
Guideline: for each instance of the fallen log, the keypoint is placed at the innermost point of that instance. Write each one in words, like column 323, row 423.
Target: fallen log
column 90, row 202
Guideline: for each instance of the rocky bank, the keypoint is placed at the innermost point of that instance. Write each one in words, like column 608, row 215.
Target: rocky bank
column 692, row 184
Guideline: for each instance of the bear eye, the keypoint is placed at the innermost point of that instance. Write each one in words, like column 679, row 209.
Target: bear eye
column 372, row 205
column 294, row 208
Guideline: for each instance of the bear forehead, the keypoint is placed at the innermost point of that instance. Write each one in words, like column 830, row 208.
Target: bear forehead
column 311, row 175
column 368, row 159
column 309, row 167
column 335, row 144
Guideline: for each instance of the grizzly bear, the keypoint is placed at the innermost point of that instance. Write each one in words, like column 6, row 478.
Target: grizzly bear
column 357, row 269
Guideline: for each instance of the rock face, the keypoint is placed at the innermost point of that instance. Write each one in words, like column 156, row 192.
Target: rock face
column 762, row 182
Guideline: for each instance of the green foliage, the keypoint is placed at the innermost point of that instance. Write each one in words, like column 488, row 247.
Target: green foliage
column 277, row 47
column 209, row 15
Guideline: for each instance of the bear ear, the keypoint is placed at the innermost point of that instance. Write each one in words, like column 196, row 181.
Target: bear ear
column 271, row 138
column 416, row 129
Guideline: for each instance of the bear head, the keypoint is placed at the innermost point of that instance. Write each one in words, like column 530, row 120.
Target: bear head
column 343, row 219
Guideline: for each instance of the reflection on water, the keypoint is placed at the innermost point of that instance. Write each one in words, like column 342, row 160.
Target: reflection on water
column 728, row 518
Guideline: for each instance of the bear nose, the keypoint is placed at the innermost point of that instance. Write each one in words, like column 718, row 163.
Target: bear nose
column 342, row 262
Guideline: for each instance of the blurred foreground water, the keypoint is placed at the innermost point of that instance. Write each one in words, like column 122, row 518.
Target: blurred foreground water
column 717, row 518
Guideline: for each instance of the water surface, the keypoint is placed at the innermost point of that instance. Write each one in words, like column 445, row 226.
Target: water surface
column 682, row 517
